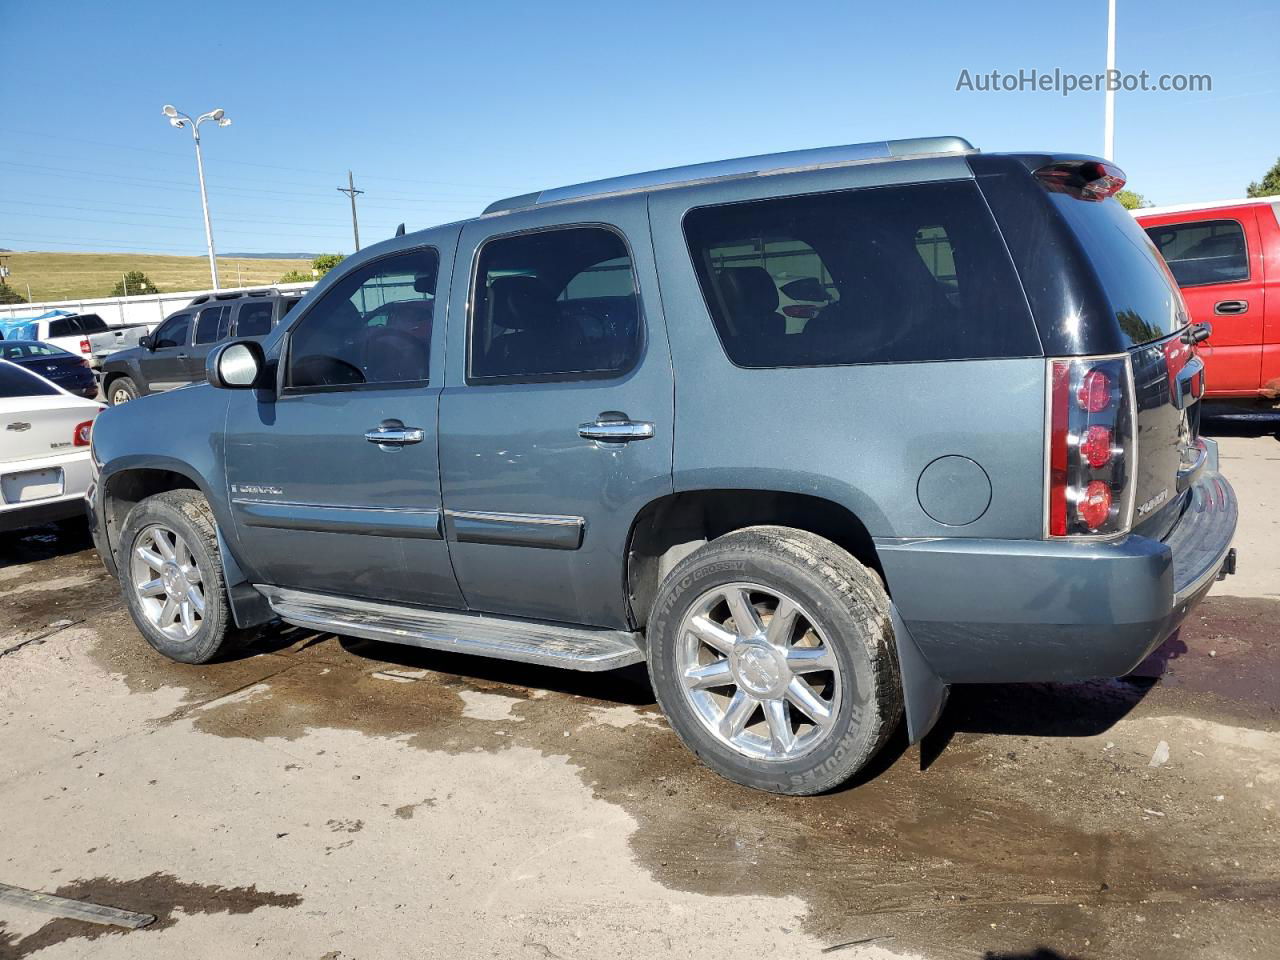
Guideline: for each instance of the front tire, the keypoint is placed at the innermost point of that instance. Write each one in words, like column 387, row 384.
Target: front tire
column 772, row 655
column 121, row 390
column 171, row 577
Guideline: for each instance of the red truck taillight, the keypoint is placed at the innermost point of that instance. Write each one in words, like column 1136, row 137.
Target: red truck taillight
column 86, row 346
column 1090, row 452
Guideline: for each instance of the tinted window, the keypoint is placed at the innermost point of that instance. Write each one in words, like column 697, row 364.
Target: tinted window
column 865, row 276
column 254, row 319
column 1208, row 251
column 558, row 303
column 16, row 382
column 63, row 327
column 372, row 326
column 213, row 324
column 1134, row 277
column 91, row 323
column 20, row 351
column 174, row 331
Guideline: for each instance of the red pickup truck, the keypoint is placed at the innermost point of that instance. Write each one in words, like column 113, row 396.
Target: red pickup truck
column 1225, row 257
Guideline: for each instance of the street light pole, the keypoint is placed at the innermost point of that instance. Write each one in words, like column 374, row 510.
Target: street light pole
column 181, row 120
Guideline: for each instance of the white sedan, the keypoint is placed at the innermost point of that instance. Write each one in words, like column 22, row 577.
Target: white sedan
column 45, row 464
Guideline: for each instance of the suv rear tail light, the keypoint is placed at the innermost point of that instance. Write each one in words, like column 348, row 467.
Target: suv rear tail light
column 1083, row 179
column 83, row 434
column 1090, row 440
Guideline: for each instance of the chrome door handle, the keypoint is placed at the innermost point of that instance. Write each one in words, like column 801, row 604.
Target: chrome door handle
column 615, row 431
column 395, row 436
column 1229, row 308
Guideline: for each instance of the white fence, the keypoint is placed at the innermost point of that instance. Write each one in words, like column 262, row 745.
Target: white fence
column 148, row 308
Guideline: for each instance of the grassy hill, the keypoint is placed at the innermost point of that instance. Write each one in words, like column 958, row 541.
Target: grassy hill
column 71, row 276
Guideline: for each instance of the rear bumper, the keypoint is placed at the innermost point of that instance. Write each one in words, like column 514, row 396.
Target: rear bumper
column 69, row 503
column 988, row 611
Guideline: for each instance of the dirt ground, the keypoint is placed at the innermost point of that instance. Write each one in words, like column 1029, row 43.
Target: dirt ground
column 335, row 799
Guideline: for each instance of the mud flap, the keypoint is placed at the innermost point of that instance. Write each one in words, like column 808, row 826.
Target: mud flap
column 249, row 608
column 923, row 693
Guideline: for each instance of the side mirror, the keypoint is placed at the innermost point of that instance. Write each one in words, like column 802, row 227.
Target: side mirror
column 235, row 366
column 147, row 343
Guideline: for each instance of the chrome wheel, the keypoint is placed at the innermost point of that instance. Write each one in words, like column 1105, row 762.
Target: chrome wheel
column 120, row 395
column 759, row 674
column 167, row 582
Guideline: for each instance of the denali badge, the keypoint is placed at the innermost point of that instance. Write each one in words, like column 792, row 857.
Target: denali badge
column 1159, row 498
column 256, row 489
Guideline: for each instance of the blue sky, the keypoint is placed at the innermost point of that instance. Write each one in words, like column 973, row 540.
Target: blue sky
column 442, row 107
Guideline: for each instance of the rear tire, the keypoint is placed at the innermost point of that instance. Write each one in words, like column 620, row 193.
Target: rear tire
column 804, row 696
column 121, row 390
column 171, row 577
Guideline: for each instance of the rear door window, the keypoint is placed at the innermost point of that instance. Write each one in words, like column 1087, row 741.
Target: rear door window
column 554, row 305
column 213, row 324
column 64, row 327
column 890, row 274
column 1203, row 252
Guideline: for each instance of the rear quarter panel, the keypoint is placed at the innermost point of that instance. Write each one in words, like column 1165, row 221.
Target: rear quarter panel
column 860, row 436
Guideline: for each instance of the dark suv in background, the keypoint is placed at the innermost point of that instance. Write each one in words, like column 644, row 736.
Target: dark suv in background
column 586, row 430
column 174, row 355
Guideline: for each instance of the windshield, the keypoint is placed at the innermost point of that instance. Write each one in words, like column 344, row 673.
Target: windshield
column 1137, row 283
column 16, row 382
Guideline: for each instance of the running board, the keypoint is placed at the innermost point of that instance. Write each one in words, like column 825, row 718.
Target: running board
column 552, row 645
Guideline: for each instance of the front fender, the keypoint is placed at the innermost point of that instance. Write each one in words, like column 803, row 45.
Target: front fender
column 181, row 432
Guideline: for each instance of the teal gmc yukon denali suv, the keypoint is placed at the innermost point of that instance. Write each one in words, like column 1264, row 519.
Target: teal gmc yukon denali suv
column 812, row 435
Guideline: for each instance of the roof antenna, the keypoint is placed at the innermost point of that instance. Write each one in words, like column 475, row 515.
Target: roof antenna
column 400, row 230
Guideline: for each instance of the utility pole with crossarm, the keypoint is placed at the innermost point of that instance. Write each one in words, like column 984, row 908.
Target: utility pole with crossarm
column 351, row 191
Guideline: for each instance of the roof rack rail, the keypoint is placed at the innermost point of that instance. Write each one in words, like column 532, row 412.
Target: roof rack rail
column 740, row 167
column 235, row 294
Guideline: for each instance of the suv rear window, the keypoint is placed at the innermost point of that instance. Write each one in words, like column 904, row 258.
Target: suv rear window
column 1138, row 285
column 1203, row 252
column 887, row 274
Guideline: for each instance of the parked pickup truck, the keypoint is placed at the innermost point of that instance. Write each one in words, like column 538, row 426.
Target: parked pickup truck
column 84, row 334
column 1226, row 259
column 579, row 431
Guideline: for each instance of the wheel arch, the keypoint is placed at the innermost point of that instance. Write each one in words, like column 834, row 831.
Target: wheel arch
column 140, row 478
column 670, row 527
column 131, row 483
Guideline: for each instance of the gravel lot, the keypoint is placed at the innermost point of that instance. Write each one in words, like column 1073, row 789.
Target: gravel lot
column 335, row 799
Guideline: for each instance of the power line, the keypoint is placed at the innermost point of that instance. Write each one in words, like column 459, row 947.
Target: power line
column 250, row 163
column 67, row 173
